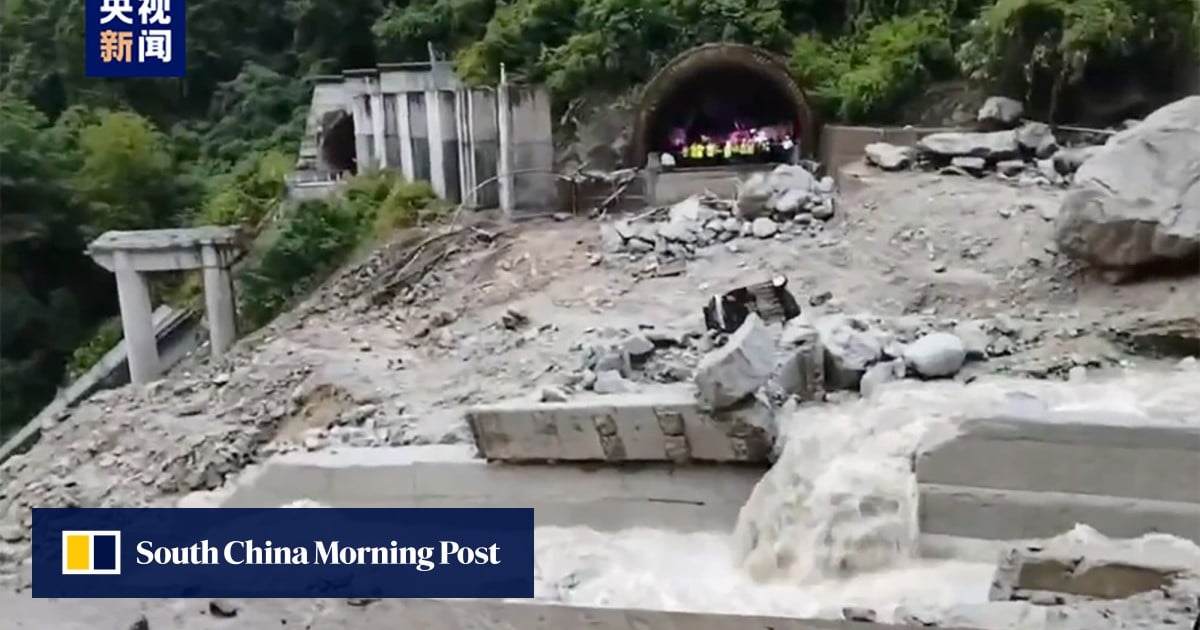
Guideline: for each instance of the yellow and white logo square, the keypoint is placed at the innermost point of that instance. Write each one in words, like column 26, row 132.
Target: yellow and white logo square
column 91, row 552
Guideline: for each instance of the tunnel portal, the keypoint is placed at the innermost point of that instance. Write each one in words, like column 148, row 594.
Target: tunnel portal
column 724, row 94
column 337, row 143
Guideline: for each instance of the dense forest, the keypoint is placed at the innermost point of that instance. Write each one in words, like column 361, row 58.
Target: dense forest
column 79, row 156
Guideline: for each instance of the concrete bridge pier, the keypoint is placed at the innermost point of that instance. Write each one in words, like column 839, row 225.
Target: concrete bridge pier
column 132, row 255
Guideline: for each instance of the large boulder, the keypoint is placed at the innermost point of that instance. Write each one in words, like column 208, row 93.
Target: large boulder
column 851, row 346
column 936, row 355
column 889, row 157
column 736, row 370
column 1137, row 200
column 995, row 145
column 1000, row 111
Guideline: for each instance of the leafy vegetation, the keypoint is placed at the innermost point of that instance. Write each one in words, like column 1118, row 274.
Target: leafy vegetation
column 79, row 156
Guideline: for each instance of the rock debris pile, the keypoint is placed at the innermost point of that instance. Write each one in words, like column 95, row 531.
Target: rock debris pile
column 613, row 361
column 788, row 202
column 1028, row 153
column 1134, row 202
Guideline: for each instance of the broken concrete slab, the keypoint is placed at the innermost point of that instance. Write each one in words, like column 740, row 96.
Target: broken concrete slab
column 729, row 374
column 1019, row 478
column 657, row 424
column 1097, row 571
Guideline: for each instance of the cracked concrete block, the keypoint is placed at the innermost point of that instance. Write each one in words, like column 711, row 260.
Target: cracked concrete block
column 1096, row 571
column 658, row 424
column 736, row 370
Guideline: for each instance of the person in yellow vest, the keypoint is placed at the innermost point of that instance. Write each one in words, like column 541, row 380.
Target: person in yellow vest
column 697, row 152
column 727, row 151
column 710, row 151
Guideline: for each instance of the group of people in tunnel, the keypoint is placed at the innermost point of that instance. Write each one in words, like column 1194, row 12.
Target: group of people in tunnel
column 740, row 146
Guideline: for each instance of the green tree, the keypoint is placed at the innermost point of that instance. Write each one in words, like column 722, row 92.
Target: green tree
column 49, row 291
column 1046, row 49
column 127, row 175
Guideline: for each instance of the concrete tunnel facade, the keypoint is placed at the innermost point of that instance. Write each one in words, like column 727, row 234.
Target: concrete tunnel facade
column 751, row 80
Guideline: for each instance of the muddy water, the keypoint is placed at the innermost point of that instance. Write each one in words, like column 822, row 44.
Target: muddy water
column 833, row 523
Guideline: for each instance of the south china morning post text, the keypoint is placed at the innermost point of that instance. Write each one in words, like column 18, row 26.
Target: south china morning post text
column 283, row 552
column 333, row 552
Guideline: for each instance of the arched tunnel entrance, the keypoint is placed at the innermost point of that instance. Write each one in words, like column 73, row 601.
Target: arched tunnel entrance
column 337, row 142
column 720, row 104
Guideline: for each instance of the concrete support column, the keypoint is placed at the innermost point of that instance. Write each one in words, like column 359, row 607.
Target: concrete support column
column 362, row 133
column 437, row 139
column 650, row 177
column 218, row 301
column 504, row 122
column 378, row 128
column 404, row 132
column 137, row 320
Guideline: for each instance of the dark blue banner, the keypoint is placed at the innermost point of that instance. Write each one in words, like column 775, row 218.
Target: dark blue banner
column 282, row 552
column 136, row 38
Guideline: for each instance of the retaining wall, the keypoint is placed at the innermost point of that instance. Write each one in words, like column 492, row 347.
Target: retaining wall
column 693, row 498
column 1010, row 479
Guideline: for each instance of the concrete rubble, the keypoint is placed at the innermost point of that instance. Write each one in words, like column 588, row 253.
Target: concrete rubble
column 789, row 202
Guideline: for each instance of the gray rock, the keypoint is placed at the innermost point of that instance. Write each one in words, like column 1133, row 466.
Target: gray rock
column 1011, row 168
column 970, row 164
column 995, row 145
column 1138, row 201
column 679, row 230
column 1037, row 138
column 639, row 246
column 936, row 355
column 824, row 209
column 11, row 533
column 764, row 227
column 552, row 394
column 1067, row 161
column 604, row 358
column 1047, row 169
column 974, row 338
column 850, row 348
column 610, row 240
column 690, row 210
column 752, row 197
column 879, row 374
column 611, row 382
column 788, row 202
column 1001, row 111
column 732, row 372
column 638, row 347
column 889, row 157
column 801, row 370
column 791, row 177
